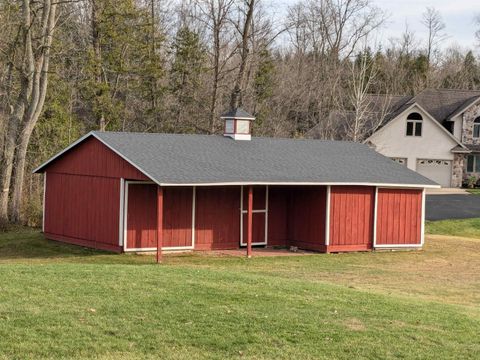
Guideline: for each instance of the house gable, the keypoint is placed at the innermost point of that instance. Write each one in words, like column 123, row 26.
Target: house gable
column 435, row 143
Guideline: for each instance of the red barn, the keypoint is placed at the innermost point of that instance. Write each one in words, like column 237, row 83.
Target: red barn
column 136, row 191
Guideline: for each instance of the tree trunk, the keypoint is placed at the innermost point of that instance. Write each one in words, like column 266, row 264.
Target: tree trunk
column 236, row 98
column 26, row 73
column 35, row 106
column 97, row 61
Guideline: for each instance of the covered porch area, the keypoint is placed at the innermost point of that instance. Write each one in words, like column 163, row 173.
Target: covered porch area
column 322, row 218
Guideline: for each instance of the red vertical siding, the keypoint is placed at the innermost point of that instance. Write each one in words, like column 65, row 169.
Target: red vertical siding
column 82, row 199
column 141, row 220
column 277, row 216
column 217, row 218
column 259, row 195
column 306, row 217
column 351, row 218
column 177, row 215
column 258, row 228
column 83, row 210
column 142, row 216
column 93, row 158
column 399, row 216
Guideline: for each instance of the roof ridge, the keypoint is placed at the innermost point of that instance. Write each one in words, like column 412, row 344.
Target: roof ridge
column 449, row 89
column 223, row 137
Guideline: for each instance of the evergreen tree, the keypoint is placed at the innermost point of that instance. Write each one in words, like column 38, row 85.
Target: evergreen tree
column 185, row 78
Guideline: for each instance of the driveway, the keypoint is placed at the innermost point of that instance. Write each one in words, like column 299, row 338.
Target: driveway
column 441, row 207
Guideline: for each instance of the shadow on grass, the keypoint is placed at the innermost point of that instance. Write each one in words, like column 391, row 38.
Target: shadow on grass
column 29, row 244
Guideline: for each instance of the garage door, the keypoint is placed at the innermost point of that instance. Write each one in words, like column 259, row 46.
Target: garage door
column 437, row 170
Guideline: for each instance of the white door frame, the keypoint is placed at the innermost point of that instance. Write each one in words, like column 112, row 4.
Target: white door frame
column 265, row 211
column 124, row 239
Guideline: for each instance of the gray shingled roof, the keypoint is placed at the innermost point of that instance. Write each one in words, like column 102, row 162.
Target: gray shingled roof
column 440, row 103
column 203, row 159
column 238, row 113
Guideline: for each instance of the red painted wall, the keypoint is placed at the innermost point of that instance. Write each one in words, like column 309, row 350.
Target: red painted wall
column 141, row 216
column 142, row 210
column 83, row 195
column 93, row 158
column 351, row 218
column 399, row 216
column 306, row 217
column 83, row 210
column 177, row 216
column 217, row 218
column 278, row 216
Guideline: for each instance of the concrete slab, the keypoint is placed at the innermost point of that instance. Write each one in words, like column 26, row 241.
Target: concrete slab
column 447, row 191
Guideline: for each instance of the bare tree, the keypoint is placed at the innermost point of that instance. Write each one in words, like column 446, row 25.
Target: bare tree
column 215, row 15
column 36, row 41
column 236, row 97
column 477, row 32
column 432, row 20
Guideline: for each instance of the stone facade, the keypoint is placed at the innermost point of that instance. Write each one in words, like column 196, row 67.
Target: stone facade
column 467, row 129
column 458, row 167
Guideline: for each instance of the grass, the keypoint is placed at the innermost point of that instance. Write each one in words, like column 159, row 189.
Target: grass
column 474, row 191
column 61, row 301
column 463, row 227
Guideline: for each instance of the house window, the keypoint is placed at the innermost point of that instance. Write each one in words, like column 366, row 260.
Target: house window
column 414, row 124
column 476, row 128
column 473, row 163
column 401, row 161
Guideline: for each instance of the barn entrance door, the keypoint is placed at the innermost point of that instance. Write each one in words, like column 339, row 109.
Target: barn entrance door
column 259, row 216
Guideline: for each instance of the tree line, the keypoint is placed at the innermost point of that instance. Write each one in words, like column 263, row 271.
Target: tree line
column 71, row 66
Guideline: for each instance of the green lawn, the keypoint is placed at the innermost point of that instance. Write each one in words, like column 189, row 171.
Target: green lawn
column 463, row 227
column 474, row 191
column 60, row 301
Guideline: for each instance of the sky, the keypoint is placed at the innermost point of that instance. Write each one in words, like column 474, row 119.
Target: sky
column 457, row 15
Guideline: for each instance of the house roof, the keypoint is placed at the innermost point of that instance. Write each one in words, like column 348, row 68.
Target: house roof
column 175, row 160
column 473, row 148
column 238, row 113
column 442, row 103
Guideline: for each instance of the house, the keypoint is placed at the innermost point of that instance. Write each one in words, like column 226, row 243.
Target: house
column 436, row 133
column 141, row 192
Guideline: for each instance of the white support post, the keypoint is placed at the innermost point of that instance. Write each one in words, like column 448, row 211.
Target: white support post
column 125, row 217
column 44, row 192
column 266, row 215
column 241, row 216
column 327, row 217
column 422, row 235
column 375, row 207
column 121, row 216
column 194, row 196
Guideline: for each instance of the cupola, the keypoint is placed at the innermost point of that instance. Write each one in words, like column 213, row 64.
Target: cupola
column 238, row 124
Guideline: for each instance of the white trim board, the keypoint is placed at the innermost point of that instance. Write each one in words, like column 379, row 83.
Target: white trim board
column 304, row 183
column 327, row 216
column 43, row 204
column 392, row 246
column 121, row 216
column 375, row 225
